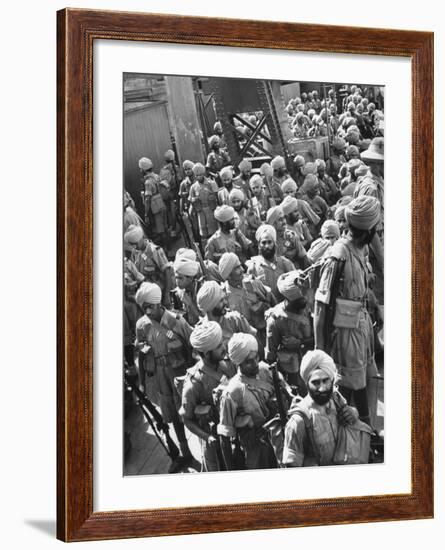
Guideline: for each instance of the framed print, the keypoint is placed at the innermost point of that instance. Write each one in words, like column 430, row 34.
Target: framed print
column 222, row 324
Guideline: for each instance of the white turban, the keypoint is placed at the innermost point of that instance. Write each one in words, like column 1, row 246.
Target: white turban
column 288, row 185
column 226, row 170
column 273, row 214
column 287, row 287
column 214, row 140
column 289, row 204
column 317, row 360
column 188, row 164
column 330, row 228
column 224, row 213
column 266, row 169
column 199, row 169
column 363, row 212
column 145, row 163
column 266, row 230
column 278, row 162
column 149, row 293
column 240, row 345
column 183, row 266
column 256, row 179
column 209, row 295
column 227, row 262
column 186, row 253
column 133, row 234
column 236, row 193
column 245, row 165
column 206, row 336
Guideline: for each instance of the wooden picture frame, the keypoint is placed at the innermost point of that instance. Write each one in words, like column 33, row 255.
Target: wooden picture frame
column 77, row 31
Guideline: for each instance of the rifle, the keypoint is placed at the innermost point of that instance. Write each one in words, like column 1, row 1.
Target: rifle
column 337, row 277
column 277, row 387
column 153, row 417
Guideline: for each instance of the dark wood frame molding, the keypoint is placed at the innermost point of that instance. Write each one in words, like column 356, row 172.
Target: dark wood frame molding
column 77, row 30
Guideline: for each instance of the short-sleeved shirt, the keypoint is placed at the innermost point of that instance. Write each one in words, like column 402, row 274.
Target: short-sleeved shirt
column 245, row 396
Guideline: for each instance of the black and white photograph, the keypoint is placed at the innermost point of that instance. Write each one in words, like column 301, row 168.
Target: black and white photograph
column 253, row 274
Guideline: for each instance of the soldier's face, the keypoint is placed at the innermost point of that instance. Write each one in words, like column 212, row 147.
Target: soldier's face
column 218, row 354
column 266, row 247
column 250, row 367
column 200, row 178
column 294, row 216
column 330, row 238
column 290, row 192
column 226, row 179
column 320, row 387
column 237, row 204
column 152, row 310
column 183, row 281
column 228, row 226
column 221, row 308
column 280, row 171
column 188, row 172
column 236, row 276
column 256, row 188
column 280, row 223
column 246, row 173
column 341, row 220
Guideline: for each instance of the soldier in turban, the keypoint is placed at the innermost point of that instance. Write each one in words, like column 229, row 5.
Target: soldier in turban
column 320, row 248
column 243, row 179
column 227, row 238
column 245, row 294
column 150, row 260
column 212, row 301
column 329, row 190
column 260, row 201
column 226, row 179
column 186, row 273
column 324, row 409
column 198, row 409
column 336, row 159
column 154, row 194
column 278, row 165
column 348, row 337
column 244, row 406
column 217, row 158
column 271, row 186
column 289, row 330
column 162, row 338
column 268, row 266
column 296, row 232
column 203, row 200
column 246, row 220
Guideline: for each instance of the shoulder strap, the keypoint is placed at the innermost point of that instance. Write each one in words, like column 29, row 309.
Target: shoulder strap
column 304, row 414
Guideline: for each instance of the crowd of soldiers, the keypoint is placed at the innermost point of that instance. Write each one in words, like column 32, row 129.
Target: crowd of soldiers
column 311, row 117
column 271, row 307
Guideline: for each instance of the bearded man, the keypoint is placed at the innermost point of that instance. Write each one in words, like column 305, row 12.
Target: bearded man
column 212, row 301
column 245, row 405
column 198, row 409
column 227, row 238
column 311, row 432
column 348, row 334
column 268, row 266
